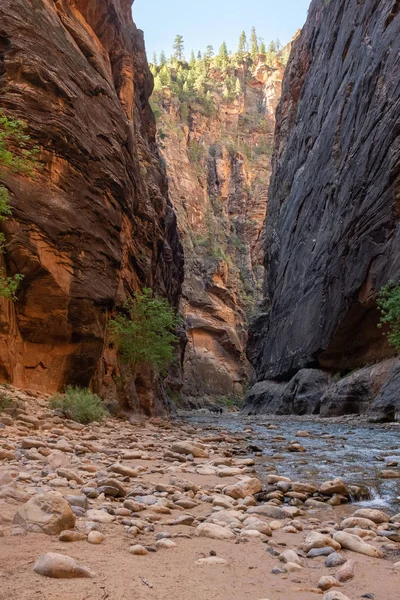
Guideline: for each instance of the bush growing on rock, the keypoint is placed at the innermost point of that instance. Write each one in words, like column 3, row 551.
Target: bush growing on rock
column 79, row 404
column 145, row 335
column 389, row 305
column 16, row 155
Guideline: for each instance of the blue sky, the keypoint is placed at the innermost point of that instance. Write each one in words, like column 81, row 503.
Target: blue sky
column 203, row 22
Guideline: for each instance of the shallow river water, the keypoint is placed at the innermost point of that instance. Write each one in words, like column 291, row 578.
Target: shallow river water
column 355, row 453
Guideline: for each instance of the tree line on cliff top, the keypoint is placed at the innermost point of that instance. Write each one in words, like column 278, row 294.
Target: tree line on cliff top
column 207, row 73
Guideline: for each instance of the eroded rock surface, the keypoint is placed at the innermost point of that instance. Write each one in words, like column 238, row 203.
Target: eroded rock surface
column 95, row 223
column 332, row 233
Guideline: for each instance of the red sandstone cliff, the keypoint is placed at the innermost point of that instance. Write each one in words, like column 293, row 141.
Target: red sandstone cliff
column 95, row 223
column 218, row 163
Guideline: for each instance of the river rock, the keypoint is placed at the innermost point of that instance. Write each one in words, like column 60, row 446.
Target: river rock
column 138, row 550
column 71, row 536
column 46, row 513
column 356, row 544
column 346, row 572
column 327, row 582
column 189, row 447
column 290, row 556
column 246, row 487
column 335, row 595
column 60, row 566
column 96, row 537
column 360, row 522
column 213, row 531
column 268, row 510
column 335, row 560
column 316, row 552
column 184, row 484
column 336, row 486
column 377, row 516
column 212, row 561
column 319, row 540
column 99, row 516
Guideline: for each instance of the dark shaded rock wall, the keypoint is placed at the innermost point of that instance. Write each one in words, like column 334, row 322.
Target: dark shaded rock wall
column 333, row 235
column 95, row 223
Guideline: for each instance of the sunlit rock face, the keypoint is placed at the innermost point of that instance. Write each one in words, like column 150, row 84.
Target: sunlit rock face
column 332, row 230
column 218, row 166
column 95, row 223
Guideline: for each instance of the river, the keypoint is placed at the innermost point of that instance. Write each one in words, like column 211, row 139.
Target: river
column 354, row 452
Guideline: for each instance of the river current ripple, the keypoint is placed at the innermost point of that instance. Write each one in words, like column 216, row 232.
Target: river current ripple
column 354, row 452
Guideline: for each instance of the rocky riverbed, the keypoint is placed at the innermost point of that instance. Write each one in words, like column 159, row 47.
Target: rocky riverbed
column 154, row 509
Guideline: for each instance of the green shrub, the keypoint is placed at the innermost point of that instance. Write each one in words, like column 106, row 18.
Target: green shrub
column 17, row 155
column 389, row 305
column 79, row 404
column 5, row 401
column 145, row 335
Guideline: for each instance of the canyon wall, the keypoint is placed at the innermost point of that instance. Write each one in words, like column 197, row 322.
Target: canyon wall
column 94, row 224
column 332, row 230
column 218, row 163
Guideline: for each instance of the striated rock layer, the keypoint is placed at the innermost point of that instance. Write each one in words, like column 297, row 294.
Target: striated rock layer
column 95, row 223
column 332, row 234
column 218, row 165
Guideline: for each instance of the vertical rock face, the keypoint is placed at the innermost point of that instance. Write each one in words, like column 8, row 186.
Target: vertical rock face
column 218, row 165
column 332, row 233
column 95, row 223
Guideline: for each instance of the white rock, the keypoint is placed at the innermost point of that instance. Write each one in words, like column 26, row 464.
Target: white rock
column 60, row 566
column 215, row 532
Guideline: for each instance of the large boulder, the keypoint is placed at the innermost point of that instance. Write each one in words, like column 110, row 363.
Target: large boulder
column 46, row 513
column 386, row 405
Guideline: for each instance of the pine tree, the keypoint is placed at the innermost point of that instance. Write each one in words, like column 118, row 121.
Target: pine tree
column 254, row 44
column 242, row 47
column 192, row 61
column 155, row 59
column 163, row 59
column 222, row 60
column 199, row 57
column 263, row 48
column 178, row 47
column 238, row 87
column 209, row 53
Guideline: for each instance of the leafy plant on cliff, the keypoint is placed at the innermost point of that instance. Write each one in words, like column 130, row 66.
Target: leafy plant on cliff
column 389, row 305
column 16, row 154
column 79, row 404
column 144, row 334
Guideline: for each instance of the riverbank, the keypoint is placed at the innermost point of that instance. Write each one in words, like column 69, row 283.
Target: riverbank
column 175, row 510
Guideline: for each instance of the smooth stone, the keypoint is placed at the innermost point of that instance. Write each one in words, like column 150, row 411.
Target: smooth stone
column 212, row 560
column 356, row 544
column 335, row 560
column 267, row 510
column 71, row 536
column 99, row 516
column 377, row 516
column 165, row 544
column 319, row 540
column 335, row 595
column 138, row 550
column 346, row 572
column 327, row 582
column 213, row 531
column 96, row 537
column 59, row 566
column 325, row 551
column 290, row 556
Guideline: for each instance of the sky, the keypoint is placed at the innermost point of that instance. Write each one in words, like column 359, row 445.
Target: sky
column 203, row 22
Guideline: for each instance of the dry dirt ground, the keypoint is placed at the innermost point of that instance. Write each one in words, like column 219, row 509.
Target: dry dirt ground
column 167, row 573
